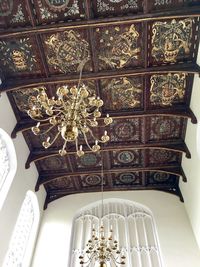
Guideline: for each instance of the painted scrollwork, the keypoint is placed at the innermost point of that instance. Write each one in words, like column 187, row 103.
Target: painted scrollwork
column 118, row 49
column 67, row 51
column 18, row 55
column 122, row 93
column 171, row 40
column 167, row 89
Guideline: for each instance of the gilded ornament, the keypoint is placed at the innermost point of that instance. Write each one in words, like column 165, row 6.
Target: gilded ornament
column 171, row 40
column 19, row 60
column 167, row 89
column 18, row 56
column 68, row 52
column 124, row 49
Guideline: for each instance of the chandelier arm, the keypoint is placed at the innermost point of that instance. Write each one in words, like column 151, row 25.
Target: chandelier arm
column 39, row 120
column 86, row 141
column 48, row 130
column 94, row 137
column 114, row 260
column 55, row 138
column 64, row 146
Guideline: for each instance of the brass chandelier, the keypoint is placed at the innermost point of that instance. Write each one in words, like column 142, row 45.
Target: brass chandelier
column 73, row 113
column 102, row 250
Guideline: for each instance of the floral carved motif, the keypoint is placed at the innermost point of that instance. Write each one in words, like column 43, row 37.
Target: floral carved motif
column 171, row 40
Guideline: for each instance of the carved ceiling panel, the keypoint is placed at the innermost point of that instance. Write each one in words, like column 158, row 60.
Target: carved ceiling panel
column 54, row 163
column 162, row 156
column 126, row 130
column 158, row 5
column 123, row 93
column 58, row 10
column 114, row 7
column 66, row 183
column 19, row 57
column 133, row 157
column 119, row 47
column 127, row 179
column 172, row 40
column 168, row 89
column 92, row 180
column 13, row 13
column 161, row 178
column 67, row 52
column 165, row 128
column 89, row 160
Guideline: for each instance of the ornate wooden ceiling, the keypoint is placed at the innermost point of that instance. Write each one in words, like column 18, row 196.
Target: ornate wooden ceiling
column 138, row 55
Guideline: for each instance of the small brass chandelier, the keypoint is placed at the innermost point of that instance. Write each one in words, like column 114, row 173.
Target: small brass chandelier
column 102, row 250
column 74, row 113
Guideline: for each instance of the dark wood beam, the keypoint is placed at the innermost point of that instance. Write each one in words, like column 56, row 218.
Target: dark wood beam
column 187, row 113
column 38, row 154
column 45, row 178
column 56, row 194
column 11, row 85
column 188, row 12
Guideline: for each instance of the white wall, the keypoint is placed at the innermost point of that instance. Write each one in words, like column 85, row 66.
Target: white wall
column 177, row 241
column 24, row 180
column 191, row 190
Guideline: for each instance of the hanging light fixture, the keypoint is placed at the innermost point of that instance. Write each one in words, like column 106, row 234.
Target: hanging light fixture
column 102, row 250
column 73, row 113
